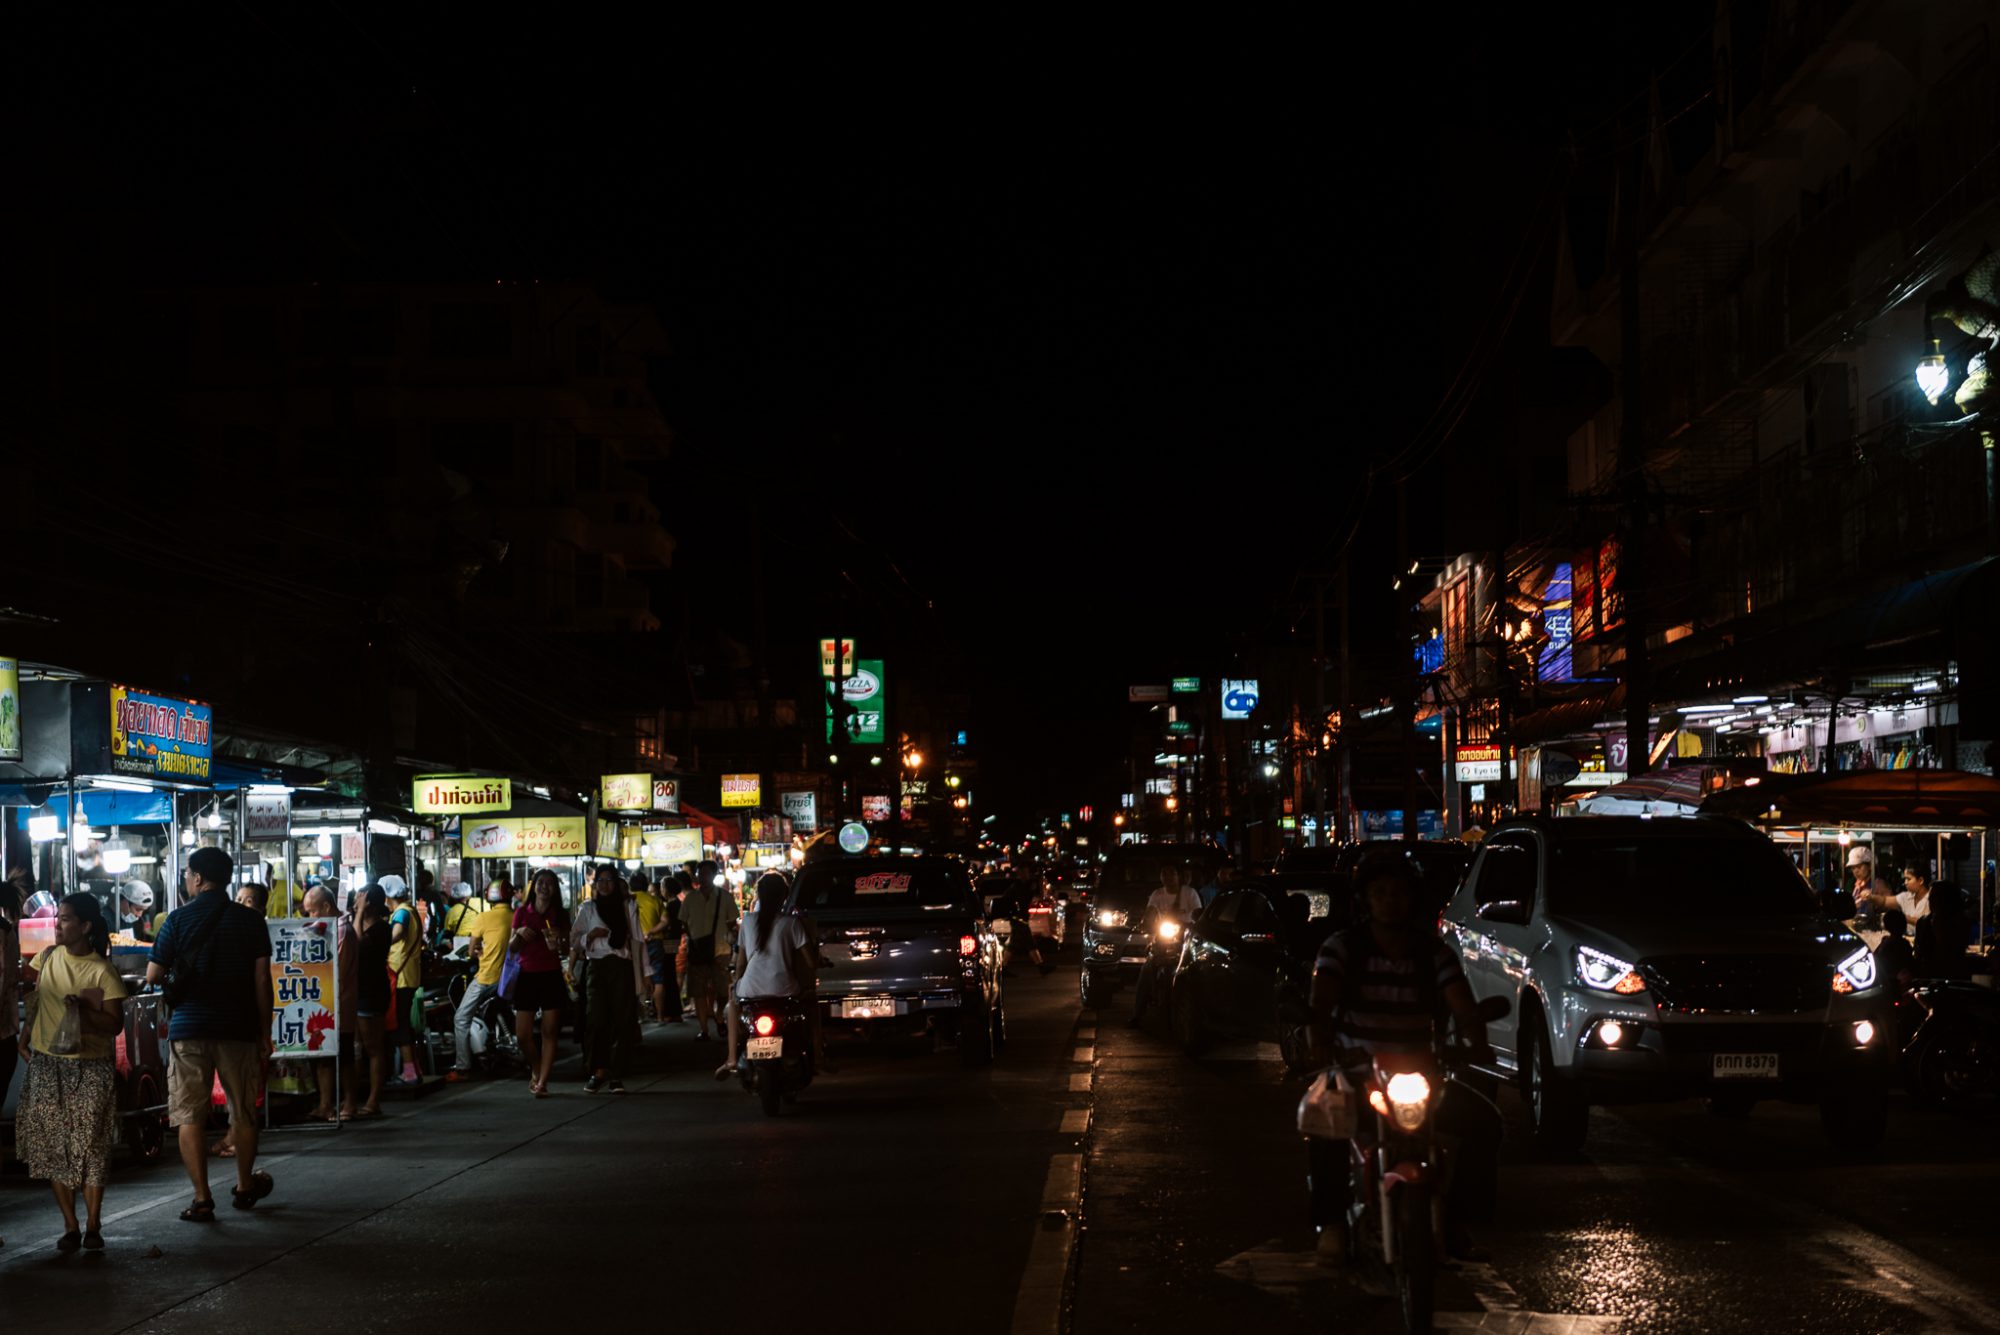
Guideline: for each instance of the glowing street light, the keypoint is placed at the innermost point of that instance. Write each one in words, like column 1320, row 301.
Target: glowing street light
column 1933, row 375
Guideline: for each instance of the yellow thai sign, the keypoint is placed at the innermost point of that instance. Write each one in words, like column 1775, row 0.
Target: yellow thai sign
column 524, row 837
column 459, row 795
column 742, row 790
column 626, row 792
column 673, row 847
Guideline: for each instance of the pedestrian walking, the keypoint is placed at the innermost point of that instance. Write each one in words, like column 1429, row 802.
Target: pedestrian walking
column 607, row 933
column 489, row 933
column 374, row 1000
column 406, row 960
column 540, row 940
column 708, row 913
column 683, row 882
column 652, row 909
column 223, row 1027
column 319, row 904
column 10, row 986
column 67, row 1120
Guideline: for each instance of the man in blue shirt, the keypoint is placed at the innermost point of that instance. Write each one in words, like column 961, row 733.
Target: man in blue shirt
column 222, row 1028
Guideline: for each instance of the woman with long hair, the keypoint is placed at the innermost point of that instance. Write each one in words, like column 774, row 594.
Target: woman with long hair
column 608, row 934
column 374, row 999
column 774, row 958
column 541, row 939
column 68, row 1115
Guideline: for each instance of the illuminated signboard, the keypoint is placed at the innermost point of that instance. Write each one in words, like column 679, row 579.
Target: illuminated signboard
column 1556, row 662
column 524, row 837
column 159, row 736
column 626, row 792
column 742, row 790
column 459, row 795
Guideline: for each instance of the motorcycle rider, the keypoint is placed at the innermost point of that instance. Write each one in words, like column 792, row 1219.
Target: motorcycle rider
column 1381, row 987
column 1173, row 899
column 774, row 958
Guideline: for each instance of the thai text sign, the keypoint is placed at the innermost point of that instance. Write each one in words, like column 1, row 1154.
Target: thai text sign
column 267, row 816
column 673, row 847
column 159, row 736
column 802, row 809
column 524, row 837
column 305, row 1005
column 742, row 790
column 1478, row 764
column 666, row 794
column 626, row 792
column 459, row 795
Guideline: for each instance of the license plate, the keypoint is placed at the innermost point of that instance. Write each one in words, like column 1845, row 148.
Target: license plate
column 867, row 1008
column 1746, row 1066
column 761, row 1048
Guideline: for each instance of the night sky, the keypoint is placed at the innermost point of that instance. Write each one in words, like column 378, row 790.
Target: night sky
column 1105, row 329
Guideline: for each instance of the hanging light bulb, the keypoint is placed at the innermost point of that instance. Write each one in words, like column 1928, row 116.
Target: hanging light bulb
column 187, row 836
column 215, row 818
column 324, row 844
column 1933, row 375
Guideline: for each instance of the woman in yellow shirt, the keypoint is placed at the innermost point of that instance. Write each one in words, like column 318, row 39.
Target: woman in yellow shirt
column 68, row 1119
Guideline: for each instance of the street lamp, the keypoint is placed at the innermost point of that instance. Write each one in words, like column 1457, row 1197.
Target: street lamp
column 1933, row 374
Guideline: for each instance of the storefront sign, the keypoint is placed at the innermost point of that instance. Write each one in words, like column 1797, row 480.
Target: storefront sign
column 666, row 794
column 853, row 836
column 875, row 806
column 802, row 809
column 1148, row 694
column 1556, row 663
column 267, row 817
column 305, row 1006
column 524, row 837
column 459, row 795
column 1478, row 764
column 864, row 692
column 159, row 736
column 742, row 790
column 1187, row 685
column 1239, row 697
column 826, row 658
column 672, row 847
column 626, row 792
column 10, row 709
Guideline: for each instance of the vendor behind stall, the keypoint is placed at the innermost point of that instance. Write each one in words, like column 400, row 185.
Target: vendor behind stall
column 135, row 909
column 1871, row 896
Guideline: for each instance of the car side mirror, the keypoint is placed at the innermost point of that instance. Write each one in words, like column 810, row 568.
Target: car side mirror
column 1511, row 911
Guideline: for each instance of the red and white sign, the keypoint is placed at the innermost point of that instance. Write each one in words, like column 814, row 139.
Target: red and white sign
column 1478, row 764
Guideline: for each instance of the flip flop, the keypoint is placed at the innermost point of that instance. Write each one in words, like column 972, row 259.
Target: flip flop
column 260, row 1187
column 365, row 1115
column 222, row 1149
column 201, row 1212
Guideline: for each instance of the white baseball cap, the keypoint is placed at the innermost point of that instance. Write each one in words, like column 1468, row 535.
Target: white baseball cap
column 137, row 892
column 1860, row 855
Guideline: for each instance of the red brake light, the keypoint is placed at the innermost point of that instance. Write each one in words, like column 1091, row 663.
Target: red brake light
column 968, row 946
column 765, row 1024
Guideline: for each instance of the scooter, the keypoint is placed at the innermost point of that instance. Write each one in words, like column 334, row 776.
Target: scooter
column 777, row 1049
column 1954, row 1054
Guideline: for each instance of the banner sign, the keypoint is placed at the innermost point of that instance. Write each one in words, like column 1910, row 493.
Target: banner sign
column 742, row 790
column 1478, row 764
column 459, row 795
column 666, row 794
column 305, row 1002
column 875, row 806
column 10, row 709
column 159, row 736
column 672, row 847
column 826, row 658
column 1239, row 697
column 1187, row 685
column 626, row 792
column 802, row 809
column 267, row 817
column 864, row 690
column 524, row 837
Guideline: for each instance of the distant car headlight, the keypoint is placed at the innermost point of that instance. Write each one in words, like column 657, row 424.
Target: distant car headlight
column 1856, row 973
column 1111, row 917
column 1607, row 973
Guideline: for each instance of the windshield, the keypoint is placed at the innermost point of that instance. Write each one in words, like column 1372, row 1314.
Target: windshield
column 1661, row 877
column 1132, row 876
column 875, row 883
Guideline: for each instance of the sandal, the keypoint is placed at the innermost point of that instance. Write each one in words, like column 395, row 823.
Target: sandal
column 69, row 1241
column 222, row 1149
column 365, row 1114
column 201, row 1212
column 246, row 1198
column 93, row 1241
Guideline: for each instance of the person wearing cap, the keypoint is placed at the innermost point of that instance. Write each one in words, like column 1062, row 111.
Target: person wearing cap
column 456, row 921
column 135, row 903
column 489, row 933
column 1870, row 895
column 406, row 960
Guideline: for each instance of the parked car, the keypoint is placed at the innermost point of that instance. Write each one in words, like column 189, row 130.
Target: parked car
column 1115, row 939
column 904, row 948
column 1668, row 958
column 1246, row 964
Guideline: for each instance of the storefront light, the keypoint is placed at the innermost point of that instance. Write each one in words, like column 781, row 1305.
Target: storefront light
column 323, row 844
column 117, row 858
column 1933, row 373
column 384, row 827
column 187, row 836
column 214, row 819
column 42, row 829
column 120, row 786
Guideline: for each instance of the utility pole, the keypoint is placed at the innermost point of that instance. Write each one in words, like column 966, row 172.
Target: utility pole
column 1405, row 669
column 1319, row 710
column 1632, row 467
column 1346, row 714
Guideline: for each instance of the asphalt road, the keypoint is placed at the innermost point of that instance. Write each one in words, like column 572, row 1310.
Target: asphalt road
column 1095, row 1180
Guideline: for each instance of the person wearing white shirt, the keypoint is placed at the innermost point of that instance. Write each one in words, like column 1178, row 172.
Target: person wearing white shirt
column 774, row 958
column 607, row 932
column 1175, row 900
column 1915, row 896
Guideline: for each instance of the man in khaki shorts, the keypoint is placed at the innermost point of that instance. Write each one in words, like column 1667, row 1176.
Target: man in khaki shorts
column 223, row 1026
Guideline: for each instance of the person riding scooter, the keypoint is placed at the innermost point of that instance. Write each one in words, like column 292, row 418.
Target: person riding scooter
column 1379, row 987
column 1173, row 902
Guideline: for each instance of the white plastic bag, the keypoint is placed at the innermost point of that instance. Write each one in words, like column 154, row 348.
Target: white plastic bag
column 1328, row 1110
column 68, row 1041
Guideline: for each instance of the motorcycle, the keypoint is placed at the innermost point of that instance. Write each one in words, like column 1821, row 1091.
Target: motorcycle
column 775, row 1039
column 1163, row 953
column 490, row 1033
column 1954, row 1053
column 1400, row 1163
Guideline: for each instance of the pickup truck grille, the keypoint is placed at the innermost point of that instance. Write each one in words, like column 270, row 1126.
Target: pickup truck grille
column 1738, row 984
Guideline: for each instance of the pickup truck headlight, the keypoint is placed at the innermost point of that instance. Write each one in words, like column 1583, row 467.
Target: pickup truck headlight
column 1856, row 973
column 1607, row 973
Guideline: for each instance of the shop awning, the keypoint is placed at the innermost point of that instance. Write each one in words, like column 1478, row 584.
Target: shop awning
column 101, row 806
column 1673, row 791
column 1572, row 717
column 1904, row 798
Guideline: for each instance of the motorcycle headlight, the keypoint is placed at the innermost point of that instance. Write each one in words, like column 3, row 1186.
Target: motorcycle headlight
column 1409, row 1099
column 1856, row 973
column 1607, row 973
column 1111, row 917
column 1169, row 930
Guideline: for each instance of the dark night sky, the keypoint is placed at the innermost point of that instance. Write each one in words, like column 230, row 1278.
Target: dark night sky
column 1117, row 320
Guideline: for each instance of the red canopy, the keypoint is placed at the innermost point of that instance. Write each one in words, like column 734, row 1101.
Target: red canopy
column 714, row 829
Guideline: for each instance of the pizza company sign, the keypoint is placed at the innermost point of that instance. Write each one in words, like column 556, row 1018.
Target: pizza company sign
column 459, row 795
column 525, row 837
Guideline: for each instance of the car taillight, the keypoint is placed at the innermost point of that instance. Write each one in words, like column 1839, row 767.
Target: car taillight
column 968, row 946
column 765, row 1024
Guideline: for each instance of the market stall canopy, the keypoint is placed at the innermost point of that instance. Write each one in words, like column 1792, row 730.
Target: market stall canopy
column 1675, row 791
column 1920, row 798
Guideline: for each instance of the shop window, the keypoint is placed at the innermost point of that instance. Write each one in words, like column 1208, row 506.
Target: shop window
column 471, row 331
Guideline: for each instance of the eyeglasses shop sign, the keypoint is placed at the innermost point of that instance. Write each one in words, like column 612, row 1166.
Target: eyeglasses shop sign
column 1478, row 764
